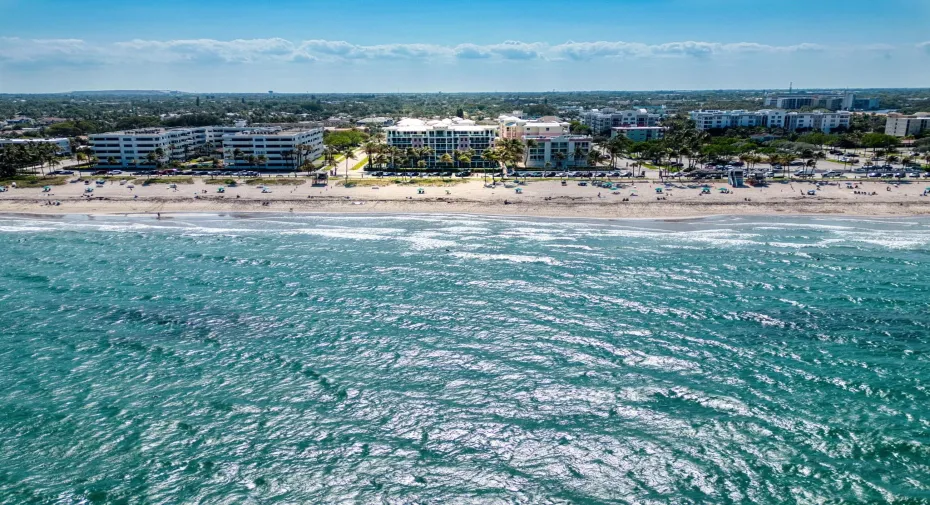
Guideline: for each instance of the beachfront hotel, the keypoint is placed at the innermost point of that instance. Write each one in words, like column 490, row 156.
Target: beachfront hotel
column 901, row 125
column 444, row 136
column 132, row 147
column 770, row 118
column 551, row 136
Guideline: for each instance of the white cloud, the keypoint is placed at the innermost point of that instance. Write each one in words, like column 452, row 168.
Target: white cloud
column 25, row 50
column 231, row 51
column 925, row 46
column 588, row 50
column 241, row 51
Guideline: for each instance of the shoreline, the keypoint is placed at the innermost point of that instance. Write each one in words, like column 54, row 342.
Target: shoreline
column 548, row 209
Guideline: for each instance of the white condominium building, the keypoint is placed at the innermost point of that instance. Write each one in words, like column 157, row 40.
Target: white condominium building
column 823, row 121
column 769, row 118
column 557, row 151
column 132, row 147
column 900, row 125
column 550, row 138
column 280, row 147
column 63, row 144
column 601, row 120
column 638, row 133
column 444, row 137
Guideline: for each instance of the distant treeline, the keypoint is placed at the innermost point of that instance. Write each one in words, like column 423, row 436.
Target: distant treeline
column 90, row 113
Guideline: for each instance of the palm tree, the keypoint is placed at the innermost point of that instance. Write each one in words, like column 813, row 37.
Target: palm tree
column 596, row 157
column 446, row 158
column 91, row 163
column 347, row 152
column 262, row 160
column 578, row 155
column 370, row 149
column 251, row 159
column 511, row 151
column 329, row 155
column 616, row 147
column 559, row 157
column 530, row 145
column 786, row 160
column 425, row 153
column 456, row 155
column 466, row 156
column 492, row 155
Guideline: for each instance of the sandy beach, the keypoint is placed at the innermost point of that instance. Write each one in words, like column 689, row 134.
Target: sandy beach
column 537, row 198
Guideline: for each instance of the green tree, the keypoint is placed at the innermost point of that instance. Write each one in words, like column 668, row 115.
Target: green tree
column 530, row 145
column 596, row 157
column 446, row 159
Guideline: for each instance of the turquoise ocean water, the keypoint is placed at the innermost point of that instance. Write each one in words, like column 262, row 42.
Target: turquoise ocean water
column 458, row 359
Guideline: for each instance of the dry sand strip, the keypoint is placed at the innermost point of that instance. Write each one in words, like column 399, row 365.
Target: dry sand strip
column 542, row 198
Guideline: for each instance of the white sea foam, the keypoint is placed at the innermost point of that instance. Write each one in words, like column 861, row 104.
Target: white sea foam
column 514, row 258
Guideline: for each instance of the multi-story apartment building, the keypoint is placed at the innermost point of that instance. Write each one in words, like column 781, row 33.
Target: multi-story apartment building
column 133, row 147
column 549, row 138
column 444, row 137
column 280, row 147
column 823, row 121
column 720, row 119
column 770, row 118
column 63, row 144
column 901, row 125
column 831, row 101
column 603, row 120
column 638, row 133
column 557, row 151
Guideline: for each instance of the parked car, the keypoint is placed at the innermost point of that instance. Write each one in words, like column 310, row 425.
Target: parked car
column 915, row 175
column 874, row 174
column 831, row 173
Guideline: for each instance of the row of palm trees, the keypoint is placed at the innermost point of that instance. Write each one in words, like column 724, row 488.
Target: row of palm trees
column 382, row 155
column 36, row 156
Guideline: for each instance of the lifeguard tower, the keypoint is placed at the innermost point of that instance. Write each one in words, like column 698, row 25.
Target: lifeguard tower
column 735, row 177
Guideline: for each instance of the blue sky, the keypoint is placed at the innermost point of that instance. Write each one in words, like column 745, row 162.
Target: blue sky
column 476, row 45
